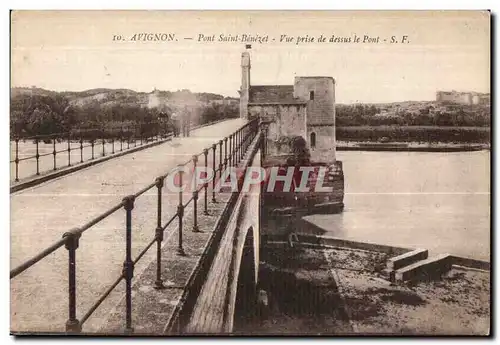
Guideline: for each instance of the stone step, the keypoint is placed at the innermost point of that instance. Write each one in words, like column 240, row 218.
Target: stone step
column 406, row 259
column 428, row 268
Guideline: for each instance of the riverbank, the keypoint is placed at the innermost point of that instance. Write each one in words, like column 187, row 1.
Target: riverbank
column 457, row 303
column 410, row 146
column 343, row 291
column 414, row 134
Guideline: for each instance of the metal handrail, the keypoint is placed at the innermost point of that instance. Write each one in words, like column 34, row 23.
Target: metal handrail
column 71, row 136
column 126, row 128
column 27, row 264
column 71, row 239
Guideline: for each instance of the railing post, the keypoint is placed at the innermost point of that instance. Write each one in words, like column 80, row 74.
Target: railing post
column 205, row 208
column 248, row 137
column 214, row 147
column 195, row 195
column 121, row 139
column 238, row 146
column 69, row 150
column 235, row 159
column 16, row 160
column 112, row 145
column 37, row 155
column 72, row 238
column 81, row 149
column 243, row 139
column 264, row 140
column 92, row 144
column 263, row 143
column 242, row 142
column 180, row 214
column 230, row 162
column 159, row 236
column 235, row 148
column 103, row 144
column 128, row 264
column 225, row 153
column 54, row 152
column 220, row 158
column 233, row 151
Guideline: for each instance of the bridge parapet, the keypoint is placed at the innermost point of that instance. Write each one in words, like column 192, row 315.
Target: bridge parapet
column 237, row 236
column 235, row 148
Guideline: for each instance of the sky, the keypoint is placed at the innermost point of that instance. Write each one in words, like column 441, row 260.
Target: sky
column 75, row 50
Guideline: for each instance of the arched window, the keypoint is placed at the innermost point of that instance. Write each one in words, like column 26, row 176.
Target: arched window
column 313, row 140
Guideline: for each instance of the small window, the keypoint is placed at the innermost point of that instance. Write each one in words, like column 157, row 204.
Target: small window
column 311, row 95
column 313, row 140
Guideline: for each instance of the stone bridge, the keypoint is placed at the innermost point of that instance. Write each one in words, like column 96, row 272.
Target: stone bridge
column 99, row 250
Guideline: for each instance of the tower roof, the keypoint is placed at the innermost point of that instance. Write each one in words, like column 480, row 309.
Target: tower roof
column 273, row 94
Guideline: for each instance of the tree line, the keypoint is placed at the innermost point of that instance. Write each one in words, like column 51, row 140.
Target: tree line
column 424, row 114
column 420, row 134
column 50, row 115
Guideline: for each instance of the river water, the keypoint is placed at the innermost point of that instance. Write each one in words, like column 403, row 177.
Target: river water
column 437, row 201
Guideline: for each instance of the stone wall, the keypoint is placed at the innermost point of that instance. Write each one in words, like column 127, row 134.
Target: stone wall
column 325, row 149
column 320, row 115
column 214, row 308
column 320, row 110
column 284, row 121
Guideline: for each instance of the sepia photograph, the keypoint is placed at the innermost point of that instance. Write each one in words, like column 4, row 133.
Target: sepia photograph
column 250, row 173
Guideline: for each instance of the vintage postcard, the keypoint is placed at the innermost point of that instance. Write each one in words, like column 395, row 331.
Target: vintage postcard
column 250, row 173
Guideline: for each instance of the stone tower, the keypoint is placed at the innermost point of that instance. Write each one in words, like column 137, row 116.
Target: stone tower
column 245, row 84
column 319, row 95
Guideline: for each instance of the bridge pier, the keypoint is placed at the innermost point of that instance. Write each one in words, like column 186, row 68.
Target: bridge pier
column 245, row 308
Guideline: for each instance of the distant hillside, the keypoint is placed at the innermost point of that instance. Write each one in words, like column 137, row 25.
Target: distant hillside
column 109, row 97
column 35, row 111
column 19, row 91
column 413, row 113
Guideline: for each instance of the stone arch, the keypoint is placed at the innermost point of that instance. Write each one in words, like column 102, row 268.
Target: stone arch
column 243, row 276
column 243, row 273
column 246, row 283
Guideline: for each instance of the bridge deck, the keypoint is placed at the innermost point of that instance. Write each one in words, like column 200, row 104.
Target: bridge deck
column 40, row 215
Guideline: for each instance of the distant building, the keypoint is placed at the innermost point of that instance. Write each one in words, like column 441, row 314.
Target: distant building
column 481, row 98
column 157, row 99
column 225, row 102
column 463, row 97
column 306, row 109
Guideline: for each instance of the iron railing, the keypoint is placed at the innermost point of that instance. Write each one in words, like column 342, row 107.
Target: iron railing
column 129, row 137
column 238, row 142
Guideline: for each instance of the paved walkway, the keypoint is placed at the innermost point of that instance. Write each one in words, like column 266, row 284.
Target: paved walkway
column 40, row 215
